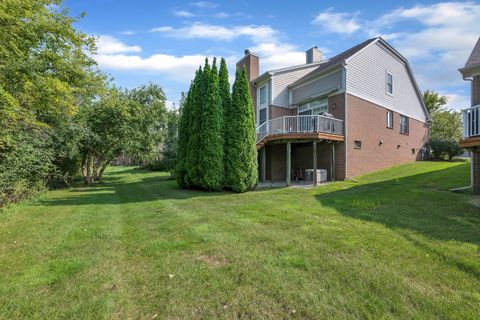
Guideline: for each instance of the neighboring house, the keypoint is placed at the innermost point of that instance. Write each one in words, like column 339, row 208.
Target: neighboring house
column 471, row 116
column 357, row 112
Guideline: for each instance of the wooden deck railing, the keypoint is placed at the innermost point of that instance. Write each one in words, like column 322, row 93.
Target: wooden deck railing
column 299, row 124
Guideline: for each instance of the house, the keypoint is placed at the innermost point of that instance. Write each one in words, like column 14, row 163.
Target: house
column 354, row 113
column 471, row 116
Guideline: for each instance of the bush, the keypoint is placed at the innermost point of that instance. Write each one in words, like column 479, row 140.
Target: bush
column 158, row 165
column 444, row 148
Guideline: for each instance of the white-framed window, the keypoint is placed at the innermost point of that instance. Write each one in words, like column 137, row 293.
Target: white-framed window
column 263, row 95
column 313, row 107
column 389, row 83
column 262, row 116
column 389, row 119
column 404, row 124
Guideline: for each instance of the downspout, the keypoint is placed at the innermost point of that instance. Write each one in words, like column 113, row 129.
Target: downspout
column 345, row 126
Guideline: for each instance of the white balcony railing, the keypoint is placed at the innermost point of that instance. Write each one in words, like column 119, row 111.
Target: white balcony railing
column 299, row 124
column 471, row 122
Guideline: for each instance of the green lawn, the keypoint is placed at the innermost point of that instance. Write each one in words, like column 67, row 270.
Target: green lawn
column 395, row 245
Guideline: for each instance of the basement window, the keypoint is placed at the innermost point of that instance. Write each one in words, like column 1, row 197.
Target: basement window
column 357, row 144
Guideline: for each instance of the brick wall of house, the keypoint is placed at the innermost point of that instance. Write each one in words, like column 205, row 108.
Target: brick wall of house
column 336, row 106
column 252, row 65
column 276, row 112
column 476, row 91
column 476, row 170
column 367, row 123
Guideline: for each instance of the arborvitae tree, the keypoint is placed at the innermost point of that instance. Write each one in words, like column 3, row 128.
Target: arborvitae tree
column 184, row 135
column 241, row 153
column 211, row 135
column 193, row 171
column 224, row 89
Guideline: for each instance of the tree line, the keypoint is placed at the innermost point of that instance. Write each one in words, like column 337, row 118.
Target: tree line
column 59, row 114
column 446, row 128
column 216, row 146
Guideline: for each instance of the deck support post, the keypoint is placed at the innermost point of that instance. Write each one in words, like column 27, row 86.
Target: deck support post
column 263, row 163
column 314, row 148
column 332, row 169
column 289, row 163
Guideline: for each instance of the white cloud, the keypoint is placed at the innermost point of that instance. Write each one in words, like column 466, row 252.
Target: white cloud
column 457, row 101
column 274, row 55
column 444, row 36
column 337, row 22
column 221, row 15
column 273, row 52
column 204, row 4
column 128, row 32
column 110, row 45
column 216, row 32
column 176, row 67
column 183, row 13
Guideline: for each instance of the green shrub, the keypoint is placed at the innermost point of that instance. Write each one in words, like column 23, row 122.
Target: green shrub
column 442, row 148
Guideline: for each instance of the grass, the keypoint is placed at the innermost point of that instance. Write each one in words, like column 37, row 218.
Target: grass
column 395, row 245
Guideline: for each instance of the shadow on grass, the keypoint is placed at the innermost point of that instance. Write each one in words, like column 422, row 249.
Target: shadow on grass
column 420, row 203
column 117, row 188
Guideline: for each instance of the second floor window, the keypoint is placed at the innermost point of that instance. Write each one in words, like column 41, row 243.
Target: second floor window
column 389, row 119
column 263, row 116
column 263, row 95
column 313, row 108
column 389, row 83
column 404, row 124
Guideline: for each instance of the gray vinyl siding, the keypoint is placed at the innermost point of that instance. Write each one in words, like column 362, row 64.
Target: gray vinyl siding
column 366, row 79
column 316, row 87
column 280, row 83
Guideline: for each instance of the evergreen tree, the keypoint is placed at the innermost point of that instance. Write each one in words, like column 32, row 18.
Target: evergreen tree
column 241, row 153
column 184, row 135
column 193, row 151
column 224, row 88
column 211, row 167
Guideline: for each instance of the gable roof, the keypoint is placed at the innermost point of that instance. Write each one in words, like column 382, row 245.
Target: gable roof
column 273, row 72
column 334, row 61
column 474, row 58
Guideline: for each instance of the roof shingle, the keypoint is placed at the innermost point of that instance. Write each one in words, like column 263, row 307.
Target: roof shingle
column 474, row 58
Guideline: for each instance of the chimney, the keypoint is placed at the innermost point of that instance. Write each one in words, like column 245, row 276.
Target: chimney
column 314, row 55
column 252, row 63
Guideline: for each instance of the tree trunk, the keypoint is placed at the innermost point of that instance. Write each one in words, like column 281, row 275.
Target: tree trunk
column 84, row 167
column 88, row 176
column 102, row 168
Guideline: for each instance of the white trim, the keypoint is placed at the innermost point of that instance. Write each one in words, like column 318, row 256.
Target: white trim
column 297, row 67
column 387, row 73
column 389, row 119
column 384, row 106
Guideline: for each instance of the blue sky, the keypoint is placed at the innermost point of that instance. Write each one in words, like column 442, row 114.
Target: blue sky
column 164, row 41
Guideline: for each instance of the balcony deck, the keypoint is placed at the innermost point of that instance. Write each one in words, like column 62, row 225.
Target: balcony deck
column 300, row 128
column 471, row 128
